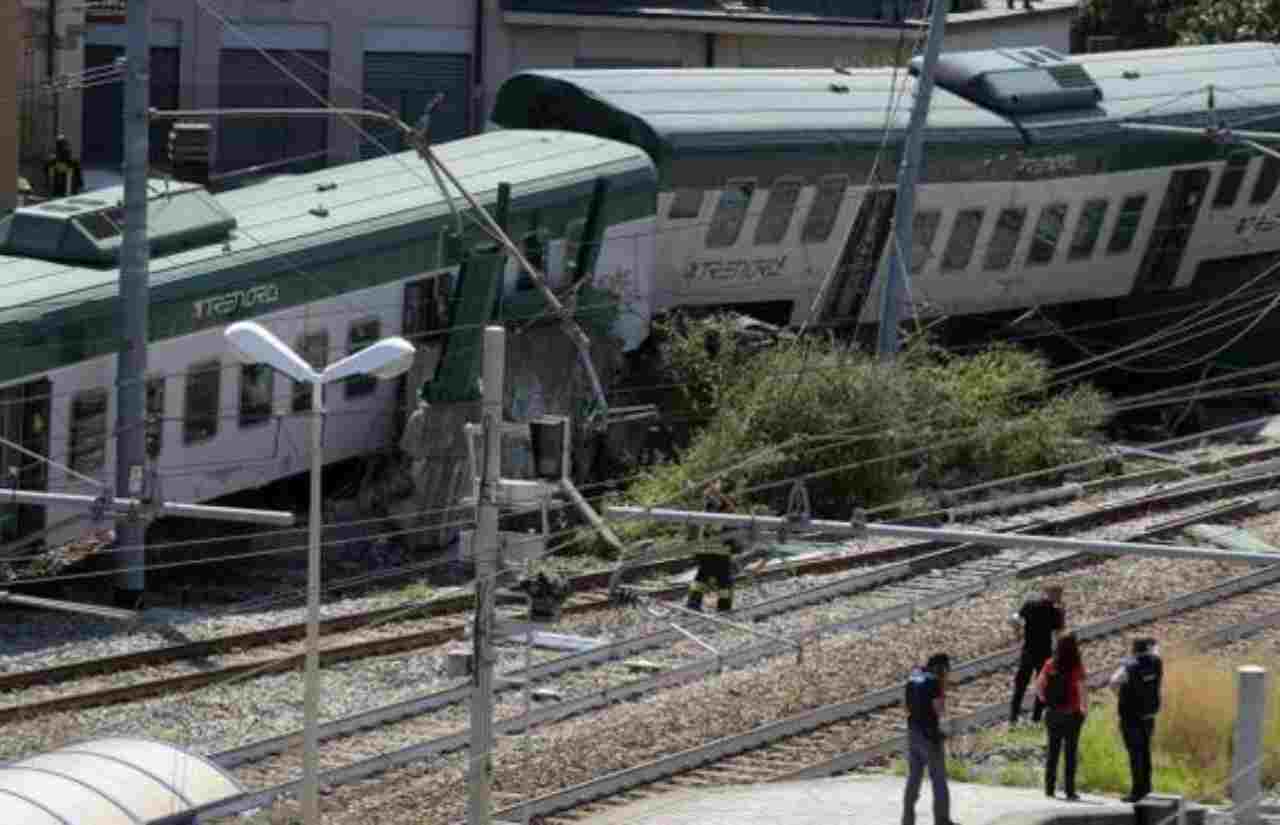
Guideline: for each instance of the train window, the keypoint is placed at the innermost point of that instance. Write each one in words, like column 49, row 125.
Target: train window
column 825, row 209
column 1088, row 228
column 87, row 446
column 731, row 212
column 155, row 416
column 1004, row 240
column 778, row 209
column 1127, row 224
column 964, row 233
column 686, row 204
column 314, row 349
column 257, row 384
column 204, row 389
column 1229, row 183
column 1268, row 177
column 1044, row 240
column 924, row 226
column 361, row 335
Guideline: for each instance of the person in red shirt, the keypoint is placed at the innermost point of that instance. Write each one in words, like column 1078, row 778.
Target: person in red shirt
column 1063, row 687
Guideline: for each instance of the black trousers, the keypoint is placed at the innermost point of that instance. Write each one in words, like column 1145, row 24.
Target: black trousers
column 1137, row 741
column 1064, row 737
column 713, row 569
column 1028, row 667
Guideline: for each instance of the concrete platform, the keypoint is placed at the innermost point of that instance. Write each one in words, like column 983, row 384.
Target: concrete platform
column 854, row 800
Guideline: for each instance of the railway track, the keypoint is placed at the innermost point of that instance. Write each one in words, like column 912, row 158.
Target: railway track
column 444, row 627
column 914, row 594
column 839, row 738
column 440, row 610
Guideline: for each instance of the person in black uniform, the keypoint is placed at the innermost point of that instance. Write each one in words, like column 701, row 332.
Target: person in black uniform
column 1039, row 619
column 62, row 173
column 715, row 559
column 1137, row 685
column 926, row 700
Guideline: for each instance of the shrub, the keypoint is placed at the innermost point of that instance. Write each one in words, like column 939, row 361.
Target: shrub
column 856, row 424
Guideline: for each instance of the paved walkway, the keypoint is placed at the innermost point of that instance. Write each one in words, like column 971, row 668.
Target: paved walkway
column 856, row 800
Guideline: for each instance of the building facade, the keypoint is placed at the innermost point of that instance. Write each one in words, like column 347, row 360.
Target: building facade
column 400, row 54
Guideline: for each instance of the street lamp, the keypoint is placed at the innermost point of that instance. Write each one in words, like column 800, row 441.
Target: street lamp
column 390, row 357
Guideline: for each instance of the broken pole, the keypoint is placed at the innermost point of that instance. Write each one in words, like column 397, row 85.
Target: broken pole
column 1018, row 541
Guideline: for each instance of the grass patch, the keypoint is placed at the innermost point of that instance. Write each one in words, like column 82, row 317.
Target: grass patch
column 1192, row 747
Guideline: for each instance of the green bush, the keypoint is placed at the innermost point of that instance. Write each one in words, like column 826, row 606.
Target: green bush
column 866, row 430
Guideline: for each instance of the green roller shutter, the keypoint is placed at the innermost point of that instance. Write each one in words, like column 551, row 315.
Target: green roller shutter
column 406, row 81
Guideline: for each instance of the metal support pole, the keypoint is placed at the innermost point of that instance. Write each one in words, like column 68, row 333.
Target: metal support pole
column 486, row 555
column 908, row 174
column 1018, row 541
column 135, row 253
column 311, row 697
column 122, row 505
column 1246, row 759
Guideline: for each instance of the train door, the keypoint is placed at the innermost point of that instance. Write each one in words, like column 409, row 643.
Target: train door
column 24, row 421
column 856, row 271
column 1172, row 230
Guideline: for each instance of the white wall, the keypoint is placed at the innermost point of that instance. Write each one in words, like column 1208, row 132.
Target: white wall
column 1050, row 28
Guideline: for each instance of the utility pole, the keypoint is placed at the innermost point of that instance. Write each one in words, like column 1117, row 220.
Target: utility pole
column 908, row 175
column 135, row 254
column 479, row 804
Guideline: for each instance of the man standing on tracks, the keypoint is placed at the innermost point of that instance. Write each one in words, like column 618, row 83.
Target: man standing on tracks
column 1039, row 619
column 1137, row 684
column 926, row 701
column 715, row 558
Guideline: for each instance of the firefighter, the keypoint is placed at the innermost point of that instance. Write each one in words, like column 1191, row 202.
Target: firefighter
column 62, row 173
column 715, row 558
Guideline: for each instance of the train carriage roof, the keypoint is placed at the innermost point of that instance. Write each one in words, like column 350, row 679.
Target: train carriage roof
column 670, row 112
column 289, row 221
column 992, row 97
column 1170, row 86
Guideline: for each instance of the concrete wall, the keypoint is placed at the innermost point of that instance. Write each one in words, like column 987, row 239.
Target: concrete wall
column 1050, row 27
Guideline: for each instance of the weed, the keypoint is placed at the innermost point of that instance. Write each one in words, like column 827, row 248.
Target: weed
column 1019, row 774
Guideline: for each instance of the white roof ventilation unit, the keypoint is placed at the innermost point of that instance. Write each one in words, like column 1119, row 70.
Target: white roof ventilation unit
column 115, row 781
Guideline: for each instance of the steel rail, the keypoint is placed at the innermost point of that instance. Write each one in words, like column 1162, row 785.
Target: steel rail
column 573, row 707
column 807, row 721
column 771, row 607
column 446, row 605
column 996, row 711
column 356, row 650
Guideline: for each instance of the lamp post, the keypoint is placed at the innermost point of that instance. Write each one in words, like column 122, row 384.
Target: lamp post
column 387, row 358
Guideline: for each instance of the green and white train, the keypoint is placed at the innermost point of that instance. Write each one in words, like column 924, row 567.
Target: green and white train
column 329, row 261
column 656, row 190
column 1033, row 195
